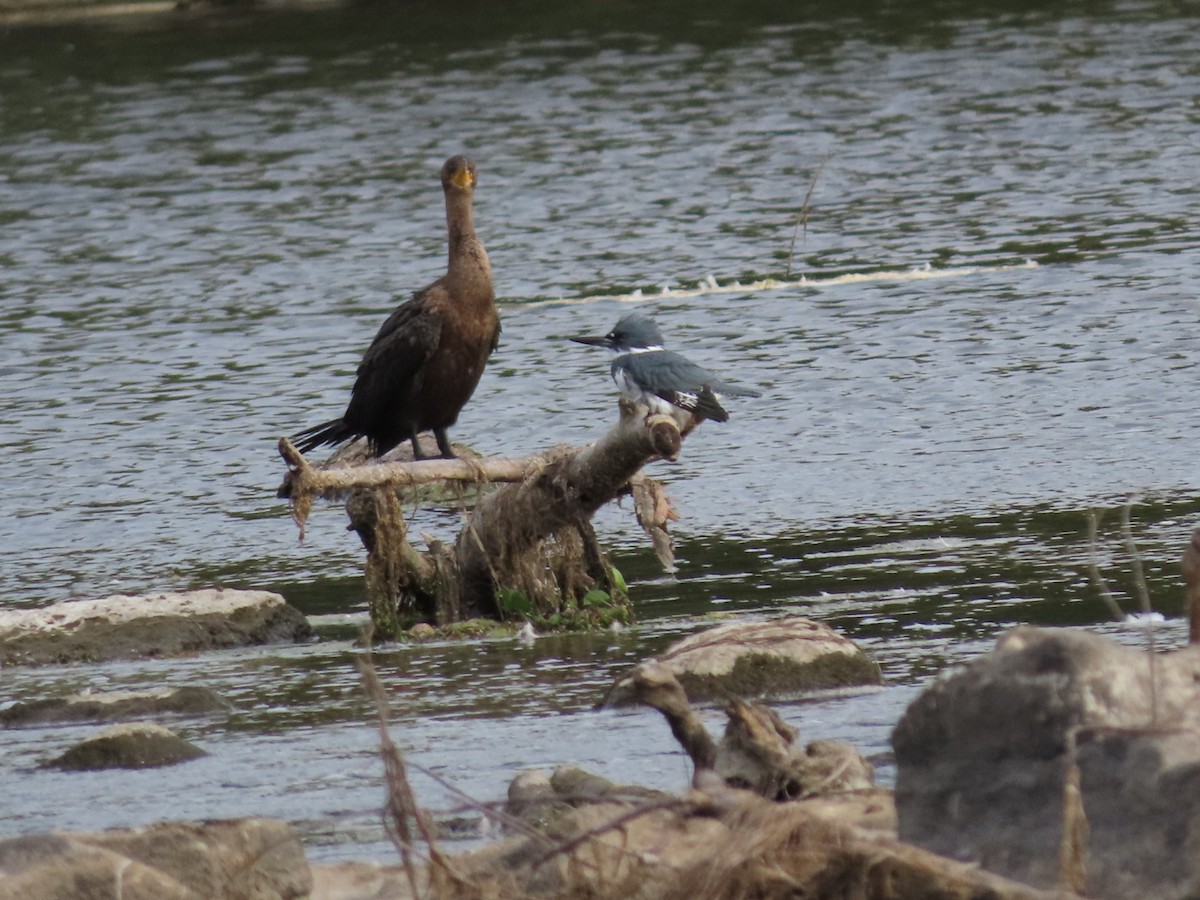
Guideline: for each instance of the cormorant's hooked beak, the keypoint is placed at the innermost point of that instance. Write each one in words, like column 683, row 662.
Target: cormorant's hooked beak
column 463, row 178
column 605, row 341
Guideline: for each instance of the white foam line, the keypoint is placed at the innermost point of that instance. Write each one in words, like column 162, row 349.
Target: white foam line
column 710, row 286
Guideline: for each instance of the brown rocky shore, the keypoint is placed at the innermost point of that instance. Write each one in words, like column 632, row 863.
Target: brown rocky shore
column 1060, row 764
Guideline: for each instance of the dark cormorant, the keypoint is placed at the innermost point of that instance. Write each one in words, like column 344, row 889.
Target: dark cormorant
column 428, row 356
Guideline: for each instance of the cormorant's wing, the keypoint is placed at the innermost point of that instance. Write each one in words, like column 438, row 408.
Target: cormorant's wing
column 387, row 371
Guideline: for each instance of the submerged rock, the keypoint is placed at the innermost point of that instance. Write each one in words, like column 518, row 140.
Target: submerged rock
column 239, row 859
column 110, row 706
column 984, row 764
column 129, row 627
column 541, row 800
column 778, row 658
column 134, row 745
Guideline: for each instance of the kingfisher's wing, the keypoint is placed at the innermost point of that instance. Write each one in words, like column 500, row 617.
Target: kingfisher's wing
column 682, row 383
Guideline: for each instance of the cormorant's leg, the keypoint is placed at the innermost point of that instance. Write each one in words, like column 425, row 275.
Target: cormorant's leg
column 443, row 443
column 416, row 444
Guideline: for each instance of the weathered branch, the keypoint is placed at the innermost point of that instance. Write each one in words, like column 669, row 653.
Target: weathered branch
column 531, row 536
column 656, row 686
column 563, row 494
column 307, row 479
column 759, row 750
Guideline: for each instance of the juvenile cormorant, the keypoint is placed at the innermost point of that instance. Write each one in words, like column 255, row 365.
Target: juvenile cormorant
column 428, row 356
column 662, row 380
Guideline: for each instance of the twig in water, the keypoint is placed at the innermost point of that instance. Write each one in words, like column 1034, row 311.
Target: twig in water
column 1093, row 520
column 1139, row 575
column 802, row 216
column 1146, row 620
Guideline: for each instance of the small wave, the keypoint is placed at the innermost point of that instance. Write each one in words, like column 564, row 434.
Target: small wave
column 710, row 285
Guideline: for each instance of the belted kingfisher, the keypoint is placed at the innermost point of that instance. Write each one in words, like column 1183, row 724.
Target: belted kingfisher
column 429, row 354
column 662, row 380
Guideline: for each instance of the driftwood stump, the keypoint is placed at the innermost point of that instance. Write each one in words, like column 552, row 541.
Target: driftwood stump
column 527, row 549
column 759, row 751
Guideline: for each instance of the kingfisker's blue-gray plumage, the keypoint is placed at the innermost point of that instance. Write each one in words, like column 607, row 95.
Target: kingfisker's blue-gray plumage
column 662, row 380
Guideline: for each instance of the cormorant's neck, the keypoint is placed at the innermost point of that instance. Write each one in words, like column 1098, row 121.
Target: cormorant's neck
column 467, row 256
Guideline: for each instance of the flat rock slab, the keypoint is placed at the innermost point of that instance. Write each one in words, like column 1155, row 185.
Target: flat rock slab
column 774, row 659
column 132, row 745
column 152, row 625
column 984, row 756
column 112, row 706
column 239, row 859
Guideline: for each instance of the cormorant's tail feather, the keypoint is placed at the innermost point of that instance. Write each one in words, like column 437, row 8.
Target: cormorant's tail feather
column 333, row 432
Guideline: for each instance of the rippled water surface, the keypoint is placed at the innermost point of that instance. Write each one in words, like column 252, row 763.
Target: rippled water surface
column 206, row 218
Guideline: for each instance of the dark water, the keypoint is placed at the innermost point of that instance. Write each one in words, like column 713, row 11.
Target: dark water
column 205, row 219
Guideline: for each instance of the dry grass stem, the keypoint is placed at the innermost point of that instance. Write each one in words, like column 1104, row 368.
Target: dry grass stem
column 1072, row 852
column 401, row 806
column 802, row 216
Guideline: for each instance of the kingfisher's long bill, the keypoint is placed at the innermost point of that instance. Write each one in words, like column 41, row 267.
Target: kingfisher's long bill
column 660, row 379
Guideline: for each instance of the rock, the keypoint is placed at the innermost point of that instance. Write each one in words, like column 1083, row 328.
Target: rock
column 701, row 845
column 778, row 658
column 363, row 881
column 240, row 859
column 134, row 745
column 540, row 800
column 109, row 706
column 533, row 800
column 127, row 627
column 577, row 786
column 983, row 758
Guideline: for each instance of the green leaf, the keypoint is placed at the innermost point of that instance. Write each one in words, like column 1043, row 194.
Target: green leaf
column 513, row 602
column 596, row 598
column 618, row 579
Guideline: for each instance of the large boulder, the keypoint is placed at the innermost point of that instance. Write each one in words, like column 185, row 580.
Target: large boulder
column 129, row 627
column 774, row 659
column 239, row 859
column 985, row 765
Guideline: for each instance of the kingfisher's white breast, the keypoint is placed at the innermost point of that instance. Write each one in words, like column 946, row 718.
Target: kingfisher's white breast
column 631, row 391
